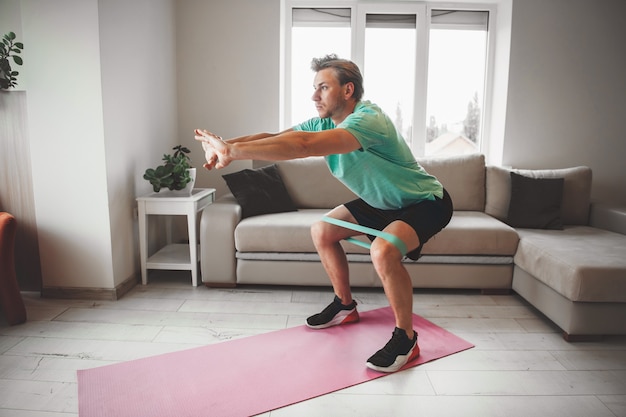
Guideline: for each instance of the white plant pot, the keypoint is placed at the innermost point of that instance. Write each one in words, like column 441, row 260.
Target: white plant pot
column 186, row 192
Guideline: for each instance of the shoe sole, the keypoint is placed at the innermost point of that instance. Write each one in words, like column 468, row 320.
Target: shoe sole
column 343, row 317
column 400, row 361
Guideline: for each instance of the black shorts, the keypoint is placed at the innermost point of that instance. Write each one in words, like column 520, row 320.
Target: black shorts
column 427, row 218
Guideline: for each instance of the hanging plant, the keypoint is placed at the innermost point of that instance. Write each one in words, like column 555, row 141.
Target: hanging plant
column 9, row 50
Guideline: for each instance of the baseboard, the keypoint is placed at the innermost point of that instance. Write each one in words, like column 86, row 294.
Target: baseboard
column 111, row 294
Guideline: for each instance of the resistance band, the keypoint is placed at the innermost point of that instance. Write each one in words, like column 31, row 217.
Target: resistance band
column 394, row 240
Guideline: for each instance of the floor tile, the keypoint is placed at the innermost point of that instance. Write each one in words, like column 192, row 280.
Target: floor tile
column 591, row 360
column 515, row 360
column 84, row 330
column 38, row 395
column 528, row 383
column 443, row 406
column 615, row 403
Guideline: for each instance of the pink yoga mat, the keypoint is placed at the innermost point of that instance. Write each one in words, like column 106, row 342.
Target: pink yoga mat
column 252, row 375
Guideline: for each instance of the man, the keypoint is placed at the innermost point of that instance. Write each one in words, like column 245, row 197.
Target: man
column 363, row 150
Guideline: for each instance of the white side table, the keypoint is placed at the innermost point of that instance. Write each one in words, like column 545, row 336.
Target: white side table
column 172, row 256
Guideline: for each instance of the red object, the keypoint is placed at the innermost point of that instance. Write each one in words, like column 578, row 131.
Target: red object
column 252, row 375
column 10, row 296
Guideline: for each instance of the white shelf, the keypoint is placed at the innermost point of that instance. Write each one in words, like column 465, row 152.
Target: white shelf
column 175, row 256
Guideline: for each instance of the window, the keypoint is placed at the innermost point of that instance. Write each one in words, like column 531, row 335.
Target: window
column 425, row 67
column 456, row 81
column 314, row 33
column 389, row 66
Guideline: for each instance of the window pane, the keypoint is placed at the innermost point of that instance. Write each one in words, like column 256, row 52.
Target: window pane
column 315, row 33
column 389, row 67
column 456, row 83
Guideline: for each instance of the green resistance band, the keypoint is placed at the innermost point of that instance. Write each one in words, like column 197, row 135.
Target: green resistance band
column 394, row 240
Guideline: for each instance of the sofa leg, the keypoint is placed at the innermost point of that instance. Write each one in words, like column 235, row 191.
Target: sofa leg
column 576, row 338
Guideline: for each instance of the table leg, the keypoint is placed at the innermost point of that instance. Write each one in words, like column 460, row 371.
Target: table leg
column 193, row 246
column 168, row 229
column 143, row 241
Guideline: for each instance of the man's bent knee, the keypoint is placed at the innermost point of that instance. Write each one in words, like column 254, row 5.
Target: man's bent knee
column 322, row 232
column 384, row 253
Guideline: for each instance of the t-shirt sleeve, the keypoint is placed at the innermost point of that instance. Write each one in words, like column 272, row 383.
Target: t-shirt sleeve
column 304, row 126
column 367, row 126
column 315, row 124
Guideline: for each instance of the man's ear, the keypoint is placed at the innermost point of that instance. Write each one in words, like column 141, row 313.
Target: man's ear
column 349, row 89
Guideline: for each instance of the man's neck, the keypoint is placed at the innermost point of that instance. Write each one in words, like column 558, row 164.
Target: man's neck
column 348, row 110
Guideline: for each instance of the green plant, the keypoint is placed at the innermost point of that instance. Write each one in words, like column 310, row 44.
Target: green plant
column 9, row 49
column 174, row 173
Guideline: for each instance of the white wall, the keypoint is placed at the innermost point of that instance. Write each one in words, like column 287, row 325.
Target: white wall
column 66, row 129
column 137, row 52
column 567, row 88
column 228, row 72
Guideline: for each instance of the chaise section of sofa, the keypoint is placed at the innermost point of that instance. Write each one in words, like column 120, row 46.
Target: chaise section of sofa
column 575, row 276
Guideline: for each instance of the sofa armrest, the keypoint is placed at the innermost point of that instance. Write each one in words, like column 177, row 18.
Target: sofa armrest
column 607, row 217
column 217, row 242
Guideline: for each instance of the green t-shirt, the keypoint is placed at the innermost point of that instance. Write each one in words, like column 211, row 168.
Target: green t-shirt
column 383, row 172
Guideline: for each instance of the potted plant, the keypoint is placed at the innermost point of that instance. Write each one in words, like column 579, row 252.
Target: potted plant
column 175, row 174
column 9, row 49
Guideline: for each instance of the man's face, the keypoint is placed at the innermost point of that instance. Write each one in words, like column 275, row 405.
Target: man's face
column 329, row 96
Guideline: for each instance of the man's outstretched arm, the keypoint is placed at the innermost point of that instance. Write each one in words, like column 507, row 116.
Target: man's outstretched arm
column 289, row 144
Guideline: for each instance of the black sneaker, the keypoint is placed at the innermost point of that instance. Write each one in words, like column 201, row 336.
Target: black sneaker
column 397, row 352
column 333, row 315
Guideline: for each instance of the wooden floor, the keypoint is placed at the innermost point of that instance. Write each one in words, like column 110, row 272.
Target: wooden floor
column 520, row 366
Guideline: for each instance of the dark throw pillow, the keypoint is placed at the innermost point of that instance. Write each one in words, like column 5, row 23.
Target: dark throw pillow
column 259, row 191
column 535, row 202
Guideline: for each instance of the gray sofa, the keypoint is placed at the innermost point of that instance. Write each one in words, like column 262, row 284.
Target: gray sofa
column 575, row 276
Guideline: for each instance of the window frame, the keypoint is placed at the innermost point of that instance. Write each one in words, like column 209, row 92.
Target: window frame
column 421, row 49
column 423, row 11
column 485, row 122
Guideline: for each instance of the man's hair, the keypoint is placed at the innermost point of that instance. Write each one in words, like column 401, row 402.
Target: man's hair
column 345, row 70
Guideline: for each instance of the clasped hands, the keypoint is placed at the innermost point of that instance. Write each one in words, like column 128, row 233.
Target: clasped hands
column 216, row 151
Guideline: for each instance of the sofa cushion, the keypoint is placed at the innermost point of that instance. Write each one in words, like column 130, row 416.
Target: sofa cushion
column 289, row 232
column 468, row 233
column 463, row 177
column 311, row 185
column 473, row 233
column 581, row 263
column 535, row 202
column 576, row 191
column 259, row 191
column 285, row 232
